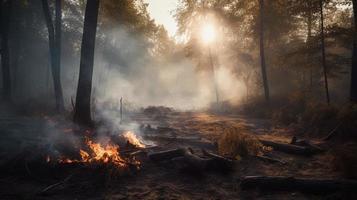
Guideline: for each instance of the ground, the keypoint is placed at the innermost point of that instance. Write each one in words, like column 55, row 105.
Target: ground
column 19, row 135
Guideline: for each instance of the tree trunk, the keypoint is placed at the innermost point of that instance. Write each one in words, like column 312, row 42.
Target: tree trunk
column 58, row 39
column 82, row 114
column 354, row 56
column 323, row 52
column 309, row 35
column 54, row 46
column 262, row 53
column 5, row 54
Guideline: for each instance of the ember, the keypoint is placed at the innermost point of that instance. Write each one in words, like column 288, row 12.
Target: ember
column 133, row 139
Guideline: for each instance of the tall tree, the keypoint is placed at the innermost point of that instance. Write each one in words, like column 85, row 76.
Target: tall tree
column 54, row 37
column 323, row 52
column 5, row 7
column 82, row 114
column 262, row 53
column 354, row 56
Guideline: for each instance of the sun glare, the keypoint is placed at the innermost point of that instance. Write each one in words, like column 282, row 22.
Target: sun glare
column 208, row 33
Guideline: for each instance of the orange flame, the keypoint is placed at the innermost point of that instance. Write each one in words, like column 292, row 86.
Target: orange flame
column 106, row 154
column 133, row 139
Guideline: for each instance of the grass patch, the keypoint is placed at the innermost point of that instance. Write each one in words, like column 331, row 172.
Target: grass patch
column 238, row 143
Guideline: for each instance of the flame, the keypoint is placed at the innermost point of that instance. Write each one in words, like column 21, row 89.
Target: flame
column 105, row 154
column 133, row 139
column 48, row 158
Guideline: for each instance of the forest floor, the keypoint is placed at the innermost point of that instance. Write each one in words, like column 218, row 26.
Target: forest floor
column 153, row 180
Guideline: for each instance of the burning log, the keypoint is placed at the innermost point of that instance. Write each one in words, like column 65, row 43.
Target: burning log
column 301, row 184
column 289, row 148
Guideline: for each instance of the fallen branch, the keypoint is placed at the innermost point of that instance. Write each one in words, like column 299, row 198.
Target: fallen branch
column 301, row 184
column 289, row 148
column 306, row 143
column 167, row 155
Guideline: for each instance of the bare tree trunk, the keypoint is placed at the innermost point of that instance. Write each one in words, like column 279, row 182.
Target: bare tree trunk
column 309, row 35
column 323, row 52
column 262, row 53
column 82, row 114
column 5, row 53
column 354, row 56
column 54, row 45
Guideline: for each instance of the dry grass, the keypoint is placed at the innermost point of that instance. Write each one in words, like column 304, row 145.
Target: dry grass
column 238, row 142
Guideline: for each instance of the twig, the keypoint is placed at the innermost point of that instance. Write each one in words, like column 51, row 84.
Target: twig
column 50, row 187
column 332, row 133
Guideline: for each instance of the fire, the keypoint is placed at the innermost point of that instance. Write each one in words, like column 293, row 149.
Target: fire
column 133, row 139
column 102, row 154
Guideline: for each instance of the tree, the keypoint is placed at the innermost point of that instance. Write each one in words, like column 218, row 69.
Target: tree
column 262, row 53
column 323, row 52
column 82, row 113
column 54, row 37
column 5, row 7
column 353, row 94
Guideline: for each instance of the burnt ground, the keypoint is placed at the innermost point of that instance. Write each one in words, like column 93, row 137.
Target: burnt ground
column 22, row 179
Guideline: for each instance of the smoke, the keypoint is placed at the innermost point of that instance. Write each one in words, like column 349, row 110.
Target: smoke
column 143, row 80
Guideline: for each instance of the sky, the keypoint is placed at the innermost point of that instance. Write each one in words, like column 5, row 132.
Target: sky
column 161, row 12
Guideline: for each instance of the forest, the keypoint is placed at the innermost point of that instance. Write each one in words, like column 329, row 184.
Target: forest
column 244, row 99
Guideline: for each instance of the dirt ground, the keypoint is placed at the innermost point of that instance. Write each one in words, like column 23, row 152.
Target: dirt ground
column 154, row 180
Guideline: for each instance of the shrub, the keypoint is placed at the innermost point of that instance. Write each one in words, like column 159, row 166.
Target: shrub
column 236, row 142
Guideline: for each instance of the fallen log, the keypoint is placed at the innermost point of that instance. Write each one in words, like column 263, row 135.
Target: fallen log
column 186, row 158
column 217, row 161
column 300, row 184
column 306, row 143
column 269, row 159
column 192, row 162
column 289, row 148
column 167, row 155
